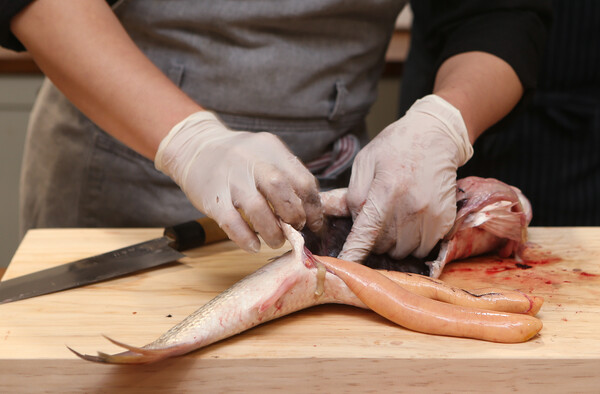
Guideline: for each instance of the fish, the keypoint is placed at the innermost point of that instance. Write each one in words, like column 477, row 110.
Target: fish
column 491, row 217
column 300, row 279
column 286, row 284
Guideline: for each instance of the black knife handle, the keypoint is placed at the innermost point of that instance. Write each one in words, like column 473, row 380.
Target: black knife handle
column 195, row 233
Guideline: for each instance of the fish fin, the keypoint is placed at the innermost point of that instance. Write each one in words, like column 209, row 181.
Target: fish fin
column 97, row 359
column 498, row 219
column 104, row 358
column 505, row 224
column 133, row 355
column 445, row 254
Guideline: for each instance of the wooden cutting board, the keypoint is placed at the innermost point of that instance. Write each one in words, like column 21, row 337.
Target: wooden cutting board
column 325, row 348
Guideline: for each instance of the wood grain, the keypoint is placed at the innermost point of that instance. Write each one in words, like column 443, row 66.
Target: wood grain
column 323, row 348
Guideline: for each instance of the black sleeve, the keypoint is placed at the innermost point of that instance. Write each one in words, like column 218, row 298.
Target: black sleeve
column 8, row 9
column 513, row 30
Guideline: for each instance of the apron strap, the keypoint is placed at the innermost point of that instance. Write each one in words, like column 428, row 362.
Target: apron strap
column 337, row 162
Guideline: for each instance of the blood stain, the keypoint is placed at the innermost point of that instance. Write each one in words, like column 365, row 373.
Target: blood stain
column 495, row 270
column 457, row 269
column 533, row 255
column 534, row 270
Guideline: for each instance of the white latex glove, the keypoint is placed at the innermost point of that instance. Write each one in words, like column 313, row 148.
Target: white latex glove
column 221, row 171
column 402, row 192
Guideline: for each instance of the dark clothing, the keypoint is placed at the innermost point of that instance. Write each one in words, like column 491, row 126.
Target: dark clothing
column 8, row 9
column 512, row 30
column 550, row 148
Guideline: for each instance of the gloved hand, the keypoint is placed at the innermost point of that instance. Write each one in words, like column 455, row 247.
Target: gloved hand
column 221, row 171
column 402, row 191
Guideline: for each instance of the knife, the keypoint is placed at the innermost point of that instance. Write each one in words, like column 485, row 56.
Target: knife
column 116, row 263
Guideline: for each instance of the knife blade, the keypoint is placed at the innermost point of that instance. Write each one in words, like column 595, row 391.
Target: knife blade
column 144, row 255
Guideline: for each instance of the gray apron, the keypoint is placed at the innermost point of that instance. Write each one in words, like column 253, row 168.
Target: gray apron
column 305, row 70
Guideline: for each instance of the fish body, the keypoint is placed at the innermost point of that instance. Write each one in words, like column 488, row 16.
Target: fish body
column 491, row 216
column 287, row 284
column 299, row 279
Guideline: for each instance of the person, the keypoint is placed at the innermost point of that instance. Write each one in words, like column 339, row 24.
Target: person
column 155, row 112
column 550, row 149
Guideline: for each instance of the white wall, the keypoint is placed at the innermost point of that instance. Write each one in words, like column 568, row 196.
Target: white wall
column 17, row 94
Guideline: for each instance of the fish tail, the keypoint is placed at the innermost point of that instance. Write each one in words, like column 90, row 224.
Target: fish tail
column 505, row 223
column 133, row 355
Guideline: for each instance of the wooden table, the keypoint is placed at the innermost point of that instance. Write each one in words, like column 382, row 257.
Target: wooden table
column 324, row 349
